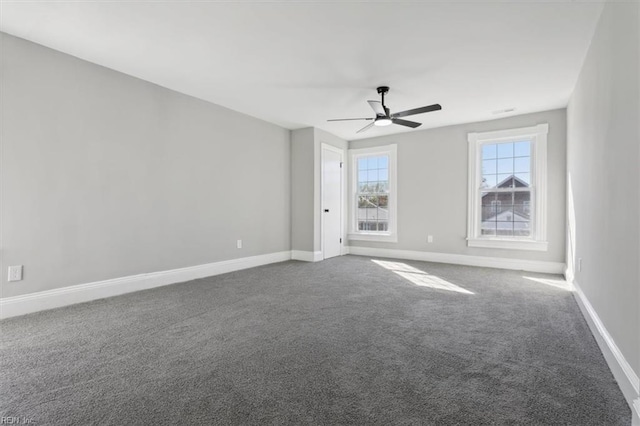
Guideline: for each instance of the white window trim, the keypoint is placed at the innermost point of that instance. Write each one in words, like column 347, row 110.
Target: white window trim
column 538, row 136
column 392, row 234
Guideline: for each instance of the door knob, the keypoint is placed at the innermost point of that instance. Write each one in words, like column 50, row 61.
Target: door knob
column 326, row 210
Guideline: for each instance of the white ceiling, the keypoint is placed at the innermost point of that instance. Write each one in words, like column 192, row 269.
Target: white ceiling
column 298, row 64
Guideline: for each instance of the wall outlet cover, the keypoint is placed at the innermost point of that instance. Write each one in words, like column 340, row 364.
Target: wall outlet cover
column 15, row 273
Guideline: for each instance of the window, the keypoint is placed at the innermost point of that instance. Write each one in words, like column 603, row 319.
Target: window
column 373, row 194
column 507, row 189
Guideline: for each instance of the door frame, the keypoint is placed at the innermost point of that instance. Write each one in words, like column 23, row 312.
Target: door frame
column 340, row 151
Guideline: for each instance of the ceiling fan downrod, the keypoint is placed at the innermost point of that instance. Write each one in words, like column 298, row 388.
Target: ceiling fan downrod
column 383, row 90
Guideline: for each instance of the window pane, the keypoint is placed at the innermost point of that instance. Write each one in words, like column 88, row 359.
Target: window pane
column 489, row 213
column 362, row 164
column 372, row 163
column 490, row 205
column 363, row 202
column 522, row 206
column 368, row 202
column 383, row 201
column 383, row 162
column 522, row 149
column 489, row 181
column 506, row 212
column 521, row 229
column 372, row 176
column 505, row 181
column 525, row 179
column 505, row 165
column 522, row 164
column 383, row 175
column 362, row 213
column 383, row 213
column 489, row 167
column 362, row 176
column 504, row 229
column 522, row 214
column 505, row 150
column 489, row 151
column 488, row 228
column 383, row 226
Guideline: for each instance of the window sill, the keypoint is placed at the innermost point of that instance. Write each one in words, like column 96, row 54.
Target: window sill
column 363, row 236
column 508, row 244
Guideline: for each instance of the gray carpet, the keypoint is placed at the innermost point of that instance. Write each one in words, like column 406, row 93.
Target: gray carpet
column 344, row 341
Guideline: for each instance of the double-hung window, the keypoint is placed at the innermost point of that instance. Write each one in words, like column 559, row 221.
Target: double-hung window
column 373, row 197
column 507, row 189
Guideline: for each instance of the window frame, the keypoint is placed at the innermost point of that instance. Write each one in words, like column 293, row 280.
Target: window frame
column 391, row 235
column 537, row 241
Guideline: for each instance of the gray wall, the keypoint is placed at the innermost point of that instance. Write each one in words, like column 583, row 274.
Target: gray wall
column 603, row 163
column 302, row 189
column 105, row 175
column 432, row 187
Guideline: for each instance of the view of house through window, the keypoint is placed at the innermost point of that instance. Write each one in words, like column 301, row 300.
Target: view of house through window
column 373, row 193
column 506, row 189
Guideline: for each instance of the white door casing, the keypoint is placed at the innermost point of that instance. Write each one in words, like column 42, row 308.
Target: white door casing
column 331, row 205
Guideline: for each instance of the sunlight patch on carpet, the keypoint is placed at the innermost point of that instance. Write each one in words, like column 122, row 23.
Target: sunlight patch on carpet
column 561, row 284
column 420, row 278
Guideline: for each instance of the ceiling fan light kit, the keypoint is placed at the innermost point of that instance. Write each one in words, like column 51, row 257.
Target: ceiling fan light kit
column 382, row 121
column 383, row 114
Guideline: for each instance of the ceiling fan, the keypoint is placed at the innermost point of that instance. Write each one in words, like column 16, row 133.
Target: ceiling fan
column 384, row 117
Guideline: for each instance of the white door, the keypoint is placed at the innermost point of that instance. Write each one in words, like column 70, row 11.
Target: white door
column 331, row 201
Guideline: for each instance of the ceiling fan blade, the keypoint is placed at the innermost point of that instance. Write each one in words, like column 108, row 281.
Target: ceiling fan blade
column 434, row 107
column 378, row 108
column 349, row 119
column 407, row 123
column 365, row 128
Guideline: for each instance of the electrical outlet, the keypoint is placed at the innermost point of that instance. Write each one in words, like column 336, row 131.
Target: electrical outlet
column 15, row 273
column 429, row 238
column 239, row 244
column 579, row 264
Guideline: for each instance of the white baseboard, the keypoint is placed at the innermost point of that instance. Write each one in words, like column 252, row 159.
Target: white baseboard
column 306, row 256
column 34, row 302
column 345, row 250
column 462, row 259
column 623, row 373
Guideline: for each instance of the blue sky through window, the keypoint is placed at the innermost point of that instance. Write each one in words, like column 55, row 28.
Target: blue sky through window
column 503, row 160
